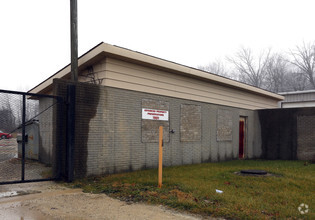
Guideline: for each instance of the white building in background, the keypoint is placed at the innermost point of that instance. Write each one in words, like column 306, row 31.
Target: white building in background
column 298, row 99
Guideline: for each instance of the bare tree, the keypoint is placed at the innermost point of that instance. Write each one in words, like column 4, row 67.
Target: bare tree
column 276, row 73
column 251, row 70
column 7, row 118
column 216, row 67
column 303, row 57
column 273, row 72
column 295, row 80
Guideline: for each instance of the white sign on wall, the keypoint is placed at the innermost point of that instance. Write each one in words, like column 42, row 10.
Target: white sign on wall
column 153, row 114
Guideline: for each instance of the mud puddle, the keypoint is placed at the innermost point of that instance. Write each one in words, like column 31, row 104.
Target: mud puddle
column 16, row 211
column 18, row 204
column 17, row 193
column 8, row 194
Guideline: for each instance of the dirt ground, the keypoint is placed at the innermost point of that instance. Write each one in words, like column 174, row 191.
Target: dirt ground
column 11, row 165
column 8, row 149
column 49, row 200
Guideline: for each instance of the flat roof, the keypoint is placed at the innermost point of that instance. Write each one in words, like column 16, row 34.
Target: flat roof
column 297, row 92
column 106, row 50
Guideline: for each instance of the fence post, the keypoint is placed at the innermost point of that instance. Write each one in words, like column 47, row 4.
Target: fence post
column 23, row 139
column 70, row 131
column 160, row 155
column 59, row 131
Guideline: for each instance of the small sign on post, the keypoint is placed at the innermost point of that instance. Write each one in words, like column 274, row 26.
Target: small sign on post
column 153, row 114
column 160, row 155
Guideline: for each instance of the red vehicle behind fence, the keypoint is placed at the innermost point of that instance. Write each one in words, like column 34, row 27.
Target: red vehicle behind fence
column 4, row 135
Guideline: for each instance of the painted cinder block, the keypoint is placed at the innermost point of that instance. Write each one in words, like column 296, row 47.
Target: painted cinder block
column 306, row 137
column 110, row 131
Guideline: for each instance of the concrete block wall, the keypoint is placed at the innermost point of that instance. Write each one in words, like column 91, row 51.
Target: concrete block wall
column 288, row 133
column 306, row 137
column 86, row 103
column 45, row 130
column 117, row 127
column 109, row 131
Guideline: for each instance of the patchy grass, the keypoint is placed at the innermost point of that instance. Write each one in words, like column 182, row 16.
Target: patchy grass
column 46, row 174
column 192, row 188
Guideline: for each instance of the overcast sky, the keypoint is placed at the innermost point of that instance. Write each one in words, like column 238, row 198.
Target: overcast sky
column 35, row 34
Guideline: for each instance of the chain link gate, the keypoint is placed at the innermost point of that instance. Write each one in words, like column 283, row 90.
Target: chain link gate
column 30, row 137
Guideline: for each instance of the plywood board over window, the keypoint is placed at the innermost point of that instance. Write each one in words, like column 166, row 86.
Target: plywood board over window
column 190, row 122
column 306, row 137
column 224, row 125
column 150, row 127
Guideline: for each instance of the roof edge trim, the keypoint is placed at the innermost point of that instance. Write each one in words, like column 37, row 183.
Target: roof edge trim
column 131, row 55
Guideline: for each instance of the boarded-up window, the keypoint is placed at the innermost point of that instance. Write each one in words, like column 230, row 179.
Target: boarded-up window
column 224, row 125
column 190, row 123
column 150, row 127
column 306, row 137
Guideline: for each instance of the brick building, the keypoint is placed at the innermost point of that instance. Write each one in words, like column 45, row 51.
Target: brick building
column 123, row 97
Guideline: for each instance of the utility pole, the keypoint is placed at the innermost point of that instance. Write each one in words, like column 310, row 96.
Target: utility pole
column 71, row 91
column 74, row 40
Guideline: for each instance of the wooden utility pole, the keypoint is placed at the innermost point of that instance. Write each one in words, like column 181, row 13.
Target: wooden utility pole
column 74, row 40
column 71, row 91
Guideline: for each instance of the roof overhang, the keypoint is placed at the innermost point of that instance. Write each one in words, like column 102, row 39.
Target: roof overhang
column 103, row 50
column 297, row 92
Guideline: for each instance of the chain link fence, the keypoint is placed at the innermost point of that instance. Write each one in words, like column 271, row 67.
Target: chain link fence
column 27, row 157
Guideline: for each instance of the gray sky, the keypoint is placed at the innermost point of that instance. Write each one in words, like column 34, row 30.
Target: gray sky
column 35, row 34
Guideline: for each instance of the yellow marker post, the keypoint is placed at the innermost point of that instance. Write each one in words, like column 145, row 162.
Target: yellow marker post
column 160, row 155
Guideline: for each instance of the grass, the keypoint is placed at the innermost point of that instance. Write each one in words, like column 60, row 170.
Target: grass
column 192, row 188
column 46, row 174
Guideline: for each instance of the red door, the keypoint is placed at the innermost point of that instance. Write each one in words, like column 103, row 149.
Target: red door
column 241, row 138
